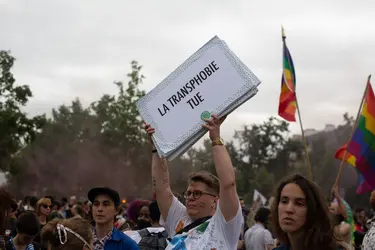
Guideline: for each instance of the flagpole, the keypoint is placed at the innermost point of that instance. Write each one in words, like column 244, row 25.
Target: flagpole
column 338, row 177
column 307, row 159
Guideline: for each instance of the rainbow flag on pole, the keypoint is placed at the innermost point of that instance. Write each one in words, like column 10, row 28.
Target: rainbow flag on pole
column 362, row 184
column 287, row 101
column 361, row 148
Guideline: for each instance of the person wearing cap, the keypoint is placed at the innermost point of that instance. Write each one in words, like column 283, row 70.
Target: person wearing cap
column 105, row 207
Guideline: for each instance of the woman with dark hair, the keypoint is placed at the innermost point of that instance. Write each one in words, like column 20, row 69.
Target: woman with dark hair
column 134, row 210
column 300, row 217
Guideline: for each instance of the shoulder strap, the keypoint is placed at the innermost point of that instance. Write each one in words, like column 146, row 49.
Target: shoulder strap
column 194, row 224
column 143, row 232
column 164, row 234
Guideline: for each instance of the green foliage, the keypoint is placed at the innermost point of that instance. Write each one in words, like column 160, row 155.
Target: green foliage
column 16, row 128
column 104, row 144
column 260, row 153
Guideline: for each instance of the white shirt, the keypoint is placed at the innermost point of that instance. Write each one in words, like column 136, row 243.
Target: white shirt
column 215, row 233
column 369, row 239
column 257, row 238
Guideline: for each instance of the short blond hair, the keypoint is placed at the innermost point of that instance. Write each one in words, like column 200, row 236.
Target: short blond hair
column 207, row 178
column 43, row 201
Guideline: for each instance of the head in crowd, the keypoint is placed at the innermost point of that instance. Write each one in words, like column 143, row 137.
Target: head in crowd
column 72, row 201
column 70, row 234
column 154, row 213
column 26, row 202
column 360, row 216
column 43, row 207
column 300, row 216
column 134, row 208
column 64, row 202
column 7, row 206
column 28, row 227
column 242, row 201
column 262, row 215
column 33, row 203
column 144, row 219
column 86, row 206
column 55, row 205
column 78, row 211
column 202, row 195
column 105, row 205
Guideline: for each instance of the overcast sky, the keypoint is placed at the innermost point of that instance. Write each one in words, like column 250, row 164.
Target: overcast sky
column 77, row 48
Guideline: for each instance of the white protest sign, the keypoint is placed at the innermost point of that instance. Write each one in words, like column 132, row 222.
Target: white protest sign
column 209, row 82
column 257, row 195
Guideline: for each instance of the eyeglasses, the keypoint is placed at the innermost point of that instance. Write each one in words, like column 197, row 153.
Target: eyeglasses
column 196, row 194
column 46, row 206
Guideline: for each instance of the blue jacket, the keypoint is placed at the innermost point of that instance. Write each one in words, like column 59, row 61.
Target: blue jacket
column 120, row 241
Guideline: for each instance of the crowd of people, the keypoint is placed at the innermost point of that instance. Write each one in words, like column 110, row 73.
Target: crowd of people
column 209, row 215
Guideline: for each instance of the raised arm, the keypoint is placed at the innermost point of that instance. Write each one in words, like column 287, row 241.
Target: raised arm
column 342, row 208
column 160, row 179
column 229, row 203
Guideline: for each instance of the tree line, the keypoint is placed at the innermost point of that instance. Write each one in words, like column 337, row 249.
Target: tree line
column 76, row 147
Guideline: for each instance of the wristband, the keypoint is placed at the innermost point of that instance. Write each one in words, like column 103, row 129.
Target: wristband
column 154, row 151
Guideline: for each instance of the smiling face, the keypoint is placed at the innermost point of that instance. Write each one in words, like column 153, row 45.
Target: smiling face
column 200, row 202
column 292, row 208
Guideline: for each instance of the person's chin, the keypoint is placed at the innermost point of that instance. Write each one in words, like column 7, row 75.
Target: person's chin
column 100, row 220
column 288, row 228
column 192, row 212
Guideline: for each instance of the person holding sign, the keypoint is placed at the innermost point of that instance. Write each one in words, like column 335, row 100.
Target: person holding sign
column 212, row 217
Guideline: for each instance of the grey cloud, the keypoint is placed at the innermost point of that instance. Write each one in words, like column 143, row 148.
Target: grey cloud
column 66, row 49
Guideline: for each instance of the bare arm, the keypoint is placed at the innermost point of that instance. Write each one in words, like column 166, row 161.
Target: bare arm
column 160, row 178
column 228, row 194
column 342, row 207
column 160, row 182
column 344, row 229
column 229, row 203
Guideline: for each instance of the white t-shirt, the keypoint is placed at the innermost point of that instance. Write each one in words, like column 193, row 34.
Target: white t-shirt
column 257, row 238
column 134, row 235
column 369, row 239
column 215, row 233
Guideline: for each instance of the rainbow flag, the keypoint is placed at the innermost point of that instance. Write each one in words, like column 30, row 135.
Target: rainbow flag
column 340, row 153
column 361, row 149
column 287, row 101
column 362, row 184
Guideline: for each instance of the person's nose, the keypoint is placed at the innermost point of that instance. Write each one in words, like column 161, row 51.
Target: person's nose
column 100, row 208
column 290, row 208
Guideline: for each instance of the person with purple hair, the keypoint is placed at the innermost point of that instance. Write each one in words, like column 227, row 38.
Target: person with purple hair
column 132, row 213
